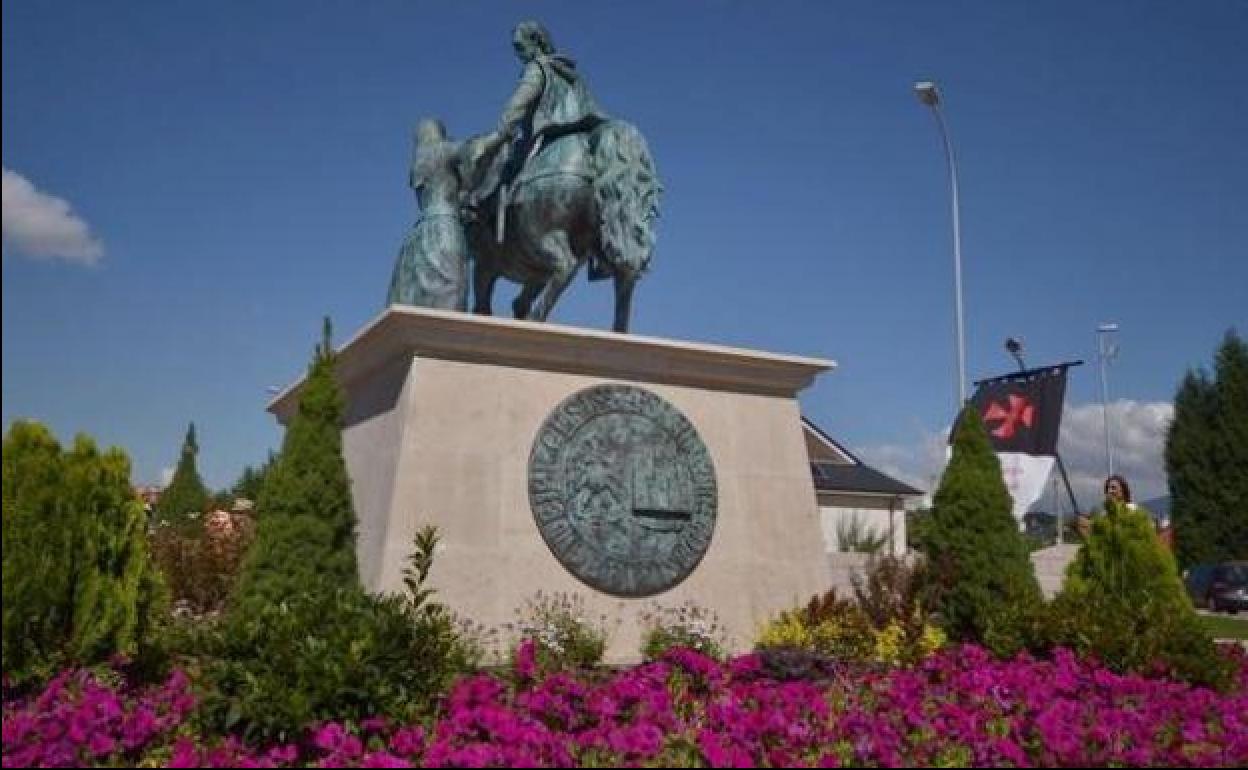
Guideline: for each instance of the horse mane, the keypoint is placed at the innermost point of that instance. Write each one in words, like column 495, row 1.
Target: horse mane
column 627, row 191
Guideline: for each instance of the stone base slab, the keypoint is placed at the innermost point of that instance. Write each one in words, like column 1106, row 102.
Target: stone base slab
column 443, row 409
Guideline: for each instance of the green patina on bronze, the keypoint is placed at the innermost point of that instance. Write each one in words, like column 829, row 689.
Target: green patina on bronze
column 623, row 490
column 558, row 184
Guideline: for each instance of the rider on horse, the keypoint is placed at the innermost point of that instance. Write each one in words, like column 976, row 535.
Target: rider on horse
column 550, row 102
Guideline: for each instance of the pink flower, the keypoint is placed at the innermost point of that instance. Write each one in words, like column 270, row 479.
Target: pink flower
column 525, row 664
column 329, row 736
column 383, row 759
column 408, row 741
column 184, row 754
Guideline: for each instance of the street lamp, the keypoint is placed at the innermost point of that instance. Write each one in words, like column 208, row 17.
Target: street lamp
column 1014, row 346
column 1106, row 350
column 927, row 94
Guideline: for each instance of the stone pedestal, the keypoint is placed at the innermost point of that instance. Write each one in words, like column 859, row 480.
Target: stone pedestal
column 443, row 410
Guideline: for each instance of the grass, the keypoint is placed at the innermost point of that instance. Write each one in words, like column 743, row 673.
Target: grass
column 1226, row 626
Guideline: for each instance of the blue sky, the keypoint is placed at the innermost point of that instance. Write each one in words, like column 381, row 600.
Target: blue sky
column 241, row 168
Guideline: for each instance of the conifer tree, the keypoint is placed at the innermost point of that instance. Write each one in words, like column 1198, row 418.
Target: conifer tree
column 39, row 543
column 1231, row 367
column 186, row 493
column 987, row 586
column 251, row 481
column 1206, row 456
column 114, row 592
column 79, row 585
column 1123, row 601
column 306, row 535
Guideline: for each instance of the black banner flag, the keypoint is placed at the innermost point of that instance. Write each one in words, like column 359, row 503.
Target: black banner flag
column 1023, row 415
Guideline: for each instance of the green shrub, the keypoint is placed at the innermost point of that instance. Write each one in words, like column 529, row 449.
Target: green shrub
column 985, row 585
column 39, row 543
column 331, row 653
column 306, row 528
column 837, row 629
column 689, row 626
column 563, row 634
column 898, row 601
column 79, row 586
column 1124, row 602
column 829, row 625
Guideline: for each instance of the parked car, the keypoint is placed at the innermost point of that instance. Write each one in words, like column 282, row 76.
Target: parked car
column 1197, row 581
column 1229, row 589
column 1219, row 587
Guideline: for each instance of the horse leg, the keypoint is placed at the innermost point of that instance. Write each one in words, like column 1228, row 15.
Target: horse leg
column 483, row 281
column 523, row 303
column 625, row 282
column 557, row 251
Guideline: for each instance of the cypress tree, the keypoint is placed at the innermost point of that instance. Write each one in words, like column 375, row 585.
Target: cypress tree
column 306, row 535
column 986, row 586
column 1231, row 368
column 39, row 545
column 1191, row 469
column 186, row 493
column 1206, row 456
column 1123, row 601
column 251, row 481
column 114, row 591
column 79, row 585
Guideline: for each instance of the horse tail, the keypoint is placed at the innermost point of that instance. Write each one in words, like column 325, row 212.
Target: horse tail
column 627, row 190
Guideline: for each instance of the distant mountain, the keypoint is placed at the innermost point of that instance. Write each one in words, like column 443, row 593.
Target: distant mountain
column 1160, row 506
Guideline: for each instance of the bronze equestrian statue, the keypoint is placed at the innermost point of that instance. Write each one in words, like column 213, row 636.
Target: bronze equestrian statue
column 557, row 185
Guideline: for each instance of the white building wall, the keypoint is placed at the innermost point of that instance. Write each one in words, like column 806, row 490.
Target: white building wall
column 833, row 517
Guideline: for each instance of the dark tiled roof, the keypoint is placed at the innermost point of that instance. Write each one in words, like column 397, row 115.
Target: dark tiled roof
column 830, row 477
column 828, row 439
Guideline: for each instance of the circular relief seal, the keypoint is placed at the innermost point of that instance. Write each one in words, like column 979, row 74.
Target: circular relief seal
column 623, row 490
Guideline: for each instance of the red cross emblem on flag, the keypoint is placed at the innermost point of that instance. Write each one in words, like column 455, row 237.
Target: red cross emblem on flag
column 1019, row 411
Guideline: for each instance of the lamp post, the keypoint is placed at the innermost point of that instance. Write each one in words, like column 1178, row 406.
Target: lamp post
column 926, row 92
column 1014, row 347
column 1106, row 350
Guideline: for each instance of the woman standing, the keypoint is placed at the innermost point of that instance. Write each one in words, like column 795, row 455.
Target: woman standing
column 432, row 268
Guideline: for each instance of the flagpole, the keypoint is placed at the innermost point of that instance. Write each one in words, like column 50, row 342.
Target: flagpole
column 1057, row 508
column 1061, row 467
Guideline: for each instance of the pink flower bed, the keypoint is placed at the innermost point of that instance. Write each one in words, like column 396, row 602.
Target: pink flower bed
column 960, row 708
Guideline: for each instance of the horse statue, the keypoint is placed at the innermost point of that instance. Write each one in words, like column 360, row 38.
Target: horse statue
column 582, row 197
column 557, row 185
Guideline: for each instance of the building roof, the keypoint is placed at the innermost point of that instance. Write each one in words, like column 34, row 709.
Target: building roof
column 831, row 477
column 828, row 443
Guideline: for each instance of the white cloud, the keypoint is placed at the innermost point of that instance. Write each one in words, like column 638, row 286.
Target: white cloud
column 919, row 463
column 43, row 226
column 166, row 476
column 1138, row 438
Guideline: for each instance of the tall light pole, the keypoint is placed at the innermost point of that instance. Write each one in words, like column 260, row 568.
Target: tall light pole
column 926, row 91
column 1106, row 350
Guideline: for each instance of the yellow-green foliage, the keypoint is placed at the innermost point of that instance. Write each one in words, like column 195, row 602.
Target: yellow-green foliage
column 894, row 648
column 839, row 629
column 1123, row 601
column 79, row 585
column 786, row 630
